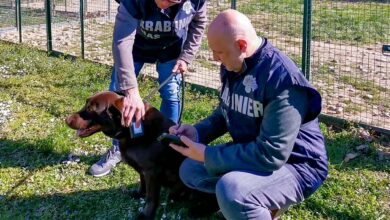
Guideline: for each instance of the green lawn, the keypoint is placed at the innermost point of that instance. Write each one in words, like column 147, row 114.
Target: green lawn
column 34, row 183
column 7, row 18
column 30, row 17
column 353, row 22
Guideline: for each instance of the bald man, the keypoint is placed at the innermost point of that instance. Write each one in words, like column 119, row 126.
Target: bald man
column 277, row 157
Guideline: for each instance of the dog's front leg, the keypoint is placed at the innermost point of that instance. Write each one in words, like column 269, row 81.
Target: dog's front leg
column 152, row 198
column 141, row 191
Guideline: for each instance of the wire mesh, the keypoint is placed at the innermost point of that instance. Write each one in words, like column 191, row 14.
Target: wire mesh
column 8, row 20
column 203, row 70
column 7, row 15
column 33, row 15
column 99, row 23
column 347, row 63
column 65, row 24
column 281, row 22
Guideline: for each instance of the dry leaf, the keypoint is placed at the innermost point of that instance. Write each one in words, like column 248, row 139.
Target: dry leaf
column 350, row 156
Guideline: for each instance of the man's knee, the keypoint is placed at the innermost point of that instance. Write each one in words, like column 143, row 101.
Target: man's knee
column 185, row 171
column 228, row 191
column 194, row 175
column 236, row 202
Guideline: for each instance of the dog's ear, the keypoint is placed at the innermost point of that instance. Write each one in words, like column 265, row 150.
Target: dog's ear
column 118, row 104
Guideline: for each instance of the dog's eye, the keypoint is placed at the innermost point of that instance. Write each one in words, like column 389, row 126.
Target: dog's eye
column 92, row 106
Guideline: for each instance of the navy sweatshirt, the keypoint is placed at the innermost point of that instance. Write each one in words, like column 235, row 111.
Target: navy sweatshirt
column 270, row 110
column 145, row 33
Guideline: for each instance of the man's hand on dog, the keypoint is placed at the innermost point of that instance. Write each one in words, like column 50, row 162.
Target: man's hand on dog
column 132, row 107
column 187, row 134
column 186, row 130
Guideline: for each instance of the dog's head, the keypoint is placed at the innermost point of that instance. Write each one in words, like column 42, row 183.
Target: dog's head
column 103, row 112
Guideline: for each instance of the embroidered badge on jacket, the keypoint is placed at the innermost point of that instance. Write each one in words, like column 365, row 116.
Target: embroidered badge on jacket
column 187, row 7
column 250, row 83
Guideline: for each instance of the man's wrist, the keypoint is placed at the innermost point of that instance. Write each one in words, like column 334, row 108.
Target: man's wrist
column 131, row 91
column 184, row 59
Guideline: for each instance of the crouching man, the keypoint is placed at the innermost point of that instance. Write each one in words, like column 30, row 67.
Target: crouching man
column 277, row 157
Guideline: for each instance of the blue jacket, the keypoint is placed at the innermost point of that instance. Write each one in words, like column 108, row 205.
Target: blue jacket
column 270, row 110
column 147, row 34
column 161, row 33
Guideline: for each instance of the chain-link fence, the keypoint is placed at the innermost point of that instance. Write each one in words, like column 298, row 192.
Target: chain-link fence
column 350, row 59
column 341, row 46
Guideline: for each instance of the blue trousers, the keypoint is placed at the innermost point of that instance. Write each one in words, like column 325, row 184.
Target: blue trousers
column 169, row 93
column 245, row 194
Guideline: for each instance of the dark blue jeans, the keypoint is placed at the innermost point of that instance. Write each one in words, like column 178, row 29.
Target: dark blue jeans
column 245, row 194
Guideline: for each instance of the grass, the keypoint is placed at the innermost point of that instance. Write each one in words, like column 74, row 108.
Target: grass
column 377, row 92
column 35, row 184
column 372, row 93
column 349, row 22
column 363, row 85
column 29, row 17
column 352, row 107
column 7, row 18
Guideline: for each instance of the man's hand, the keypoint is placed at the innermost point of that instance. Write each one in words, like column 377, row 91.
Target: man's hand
column 185, row 130
column 193, row 150
column 132, row 107
column 180, row 67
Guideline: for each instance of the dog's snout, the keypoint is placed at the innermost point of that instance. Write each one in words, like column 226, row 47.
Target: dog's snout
column 72, row 122
column 68, row 120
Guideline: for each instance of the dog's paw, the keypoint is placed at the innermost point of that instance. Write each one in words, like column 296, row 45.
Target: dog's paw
column 142, row 216
column 204, row 206
column 201, row 212
column 177, row 196
column 135, row 194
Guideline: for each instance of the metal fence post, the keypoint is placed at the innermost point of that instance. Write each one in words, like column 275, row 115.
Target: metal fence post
column 82, row 27
column 16, row 12
column 19, row 19
column 306, row 38
column 233, row 4
column 109, row 9
column 48, row 26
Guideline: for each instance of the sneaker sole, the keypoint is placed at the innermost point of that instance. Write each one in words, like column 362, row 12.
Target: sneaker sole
column 101, row 174
column 105, row 173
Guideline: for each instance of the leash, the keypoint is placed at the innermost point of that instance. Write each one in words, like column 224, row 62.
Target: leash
column 151, row 93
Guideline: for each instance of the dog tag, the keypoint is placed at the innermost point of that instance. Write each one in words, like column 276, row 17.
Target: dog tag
column 136, row 132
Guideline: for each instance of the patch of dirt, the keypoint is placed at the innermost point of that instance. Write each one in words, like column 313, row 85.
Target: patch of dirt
column 353, row 80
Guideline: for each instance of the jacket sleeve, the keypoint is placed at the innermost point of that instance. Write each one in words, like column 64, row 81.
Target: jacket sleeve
column 122, row 48
column 212, row 127
column 272, row 147
column 195, row 32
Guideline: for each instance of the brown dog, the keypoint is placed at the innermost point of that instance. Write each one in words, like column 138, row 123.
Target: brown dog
column 157, row 164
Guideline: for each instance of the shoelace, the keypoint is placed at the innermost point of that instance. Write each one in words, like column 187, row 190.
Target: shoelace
column 110, row 153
